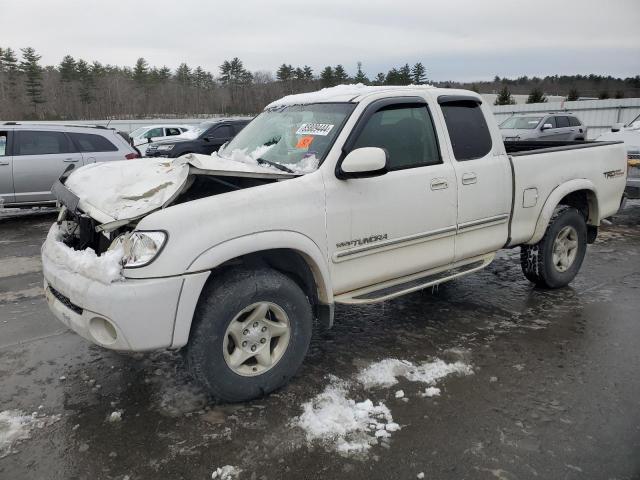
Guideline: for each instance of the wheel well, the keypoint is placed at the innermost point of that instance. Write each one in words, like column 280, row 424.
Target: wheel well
column 586, row 203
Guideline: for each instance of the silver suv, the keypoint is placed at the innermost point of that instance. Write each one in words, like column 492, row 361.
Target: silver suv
column 543, row 127
column 33, row 157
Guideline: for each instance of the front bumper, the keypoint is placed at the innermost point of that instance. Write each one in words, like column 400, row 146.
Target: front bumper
column 129, row 315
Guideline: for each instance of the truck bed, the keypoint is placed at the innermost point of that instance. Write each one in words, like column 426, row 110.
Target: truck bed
column 533, row 146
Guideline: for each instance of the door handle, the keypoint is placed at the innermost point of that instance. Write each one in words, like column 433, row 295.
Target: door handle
column 439, row 184
column 70, row 160
column 469, row 178
column 4, row 163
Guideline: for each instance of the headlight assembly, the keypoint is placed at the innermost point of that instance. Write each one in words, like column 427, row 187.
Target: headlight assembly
column 140, row 248
column 165, row 147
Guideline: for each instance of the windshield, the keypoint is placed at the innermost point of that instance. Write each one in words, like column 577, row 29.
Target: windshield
column 297, row 137
column 138, row 132
column 521, row 122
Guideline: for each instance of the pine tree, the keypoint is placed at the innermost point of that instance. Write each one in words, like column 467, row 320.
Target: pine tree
column 10, row 67
column 308, row 73
column 419, row 74
column 603, row 95
column 67, row 69
column 298, row 74
column 183, row 75
column 233, row 72
column 380, row 79
column 573, row 95
column 393, row 77
column 504, row 97
column 141, row 72
column 360, row 76
column 619, row 94
column 285, row 73
column 87, row 83
column 340, row 75
column 536, row 96
column 404, row 75
column 327, row 77
column 32, row 71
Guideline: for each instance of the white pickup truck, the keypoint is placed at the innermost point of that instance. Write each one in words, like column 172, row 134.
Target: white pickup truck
column 347, row 195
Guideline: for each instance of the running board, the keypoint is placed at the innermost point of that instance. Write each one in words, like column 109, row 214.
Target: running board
column 411, row 283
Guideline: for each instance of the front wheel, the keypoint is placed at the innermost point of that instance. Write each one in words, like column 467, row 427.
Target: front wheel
column 250, row 333
column 555, row 260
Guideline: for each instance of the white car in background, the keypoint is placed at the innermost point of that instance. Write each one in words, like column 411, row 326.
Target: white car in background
column 143, row 136
column 630, row 135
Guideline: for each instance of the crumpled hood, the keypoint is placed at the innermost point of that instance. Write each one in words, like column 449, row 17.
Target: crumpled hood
column 126, row 190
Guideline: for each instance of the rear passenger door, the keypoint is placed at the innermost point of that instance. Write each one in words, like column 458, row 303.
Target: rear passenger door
column 483, row 175
column 564, row 129
column 39, row 158
column 95, row 148
column 6, row 169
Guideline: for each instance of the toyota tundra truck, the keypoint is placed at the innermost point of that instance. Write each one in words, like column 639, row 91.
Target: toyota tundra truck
column 348, row 195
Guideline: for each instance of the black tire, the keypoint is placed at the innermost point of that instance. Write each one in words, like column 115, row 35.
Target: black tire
column 221, row 300
column 537, row 260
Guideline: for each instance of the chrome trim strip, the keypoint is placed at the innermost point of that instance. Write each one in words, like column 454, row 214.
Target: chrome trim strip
column 395, row 241
column 498, row 219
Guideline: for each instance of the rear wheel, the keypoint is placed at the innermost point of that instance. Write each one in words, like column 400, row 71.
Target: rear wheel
column 250, row 334
column 555, row 260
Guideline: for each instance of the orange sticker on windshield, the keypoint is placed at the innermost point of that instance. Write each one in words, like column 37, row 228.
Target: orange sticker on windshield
column 304, row 142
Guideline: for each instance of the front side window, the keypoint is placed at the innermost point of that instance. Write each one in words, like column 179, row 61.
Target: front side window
column 88, row 142
column 468, row 130
column 3, row 144
column 42, row 143
column 551, row 121
column 220, row 133
column 405, row 132
column 295, row 136
column 154, row 132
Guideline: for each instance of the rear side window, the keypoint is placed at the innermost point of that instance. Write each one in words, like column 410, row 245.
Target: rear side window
column 405, row 132
column 224, row 131
column 574, row 122
column 3, row 144
column 468, row 130
column 88, row 142
column 562, row 122
column 173, row 131
column 239, row 126
column 41, row 143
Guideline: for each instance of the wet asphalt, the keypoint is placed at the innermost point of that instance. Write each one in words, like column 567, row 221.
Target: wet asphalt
column 555, row 392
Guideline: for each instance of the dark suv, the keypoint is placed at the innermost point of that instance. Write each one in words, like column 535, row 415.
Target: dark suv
column 207, row 138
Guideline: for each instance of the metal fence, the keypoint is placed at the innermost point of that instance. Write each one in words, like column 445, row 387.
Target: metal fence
column 597, row 115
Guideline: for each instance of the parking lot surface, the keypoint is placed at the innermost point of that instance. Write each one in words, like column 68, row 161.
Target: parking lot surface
column 552, row 388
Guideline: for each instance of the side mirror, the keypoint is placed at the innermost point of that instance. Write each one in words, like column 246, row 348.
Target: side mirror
column 363, row 162
column 547, row 126
column 616, row 127
column 149, row 140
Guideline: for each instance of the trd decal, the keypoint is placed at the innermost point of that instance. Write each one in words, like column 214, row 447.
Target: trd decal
column 362, row 241
column 614, row 173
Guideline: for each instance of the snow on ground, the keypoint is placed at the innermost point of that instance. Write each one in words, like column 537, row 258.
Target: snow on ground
column 105, row 268
column 16, row 426
column 385, row 373
column 9, row 212
column 342, row 423
column 228, row 472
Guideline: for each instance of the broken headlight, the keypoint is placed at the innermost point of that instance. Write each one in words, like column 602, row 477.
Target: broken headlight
column 139, row 248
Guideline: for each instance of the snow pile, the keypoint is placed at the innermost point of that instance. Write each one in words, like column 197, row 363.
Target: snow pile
column 385, row 373
column 228, row 472
column 115, row 416
column 337, row 93
column 16, row 426
column 431, row 392
column 105, row 268
column 344, row 424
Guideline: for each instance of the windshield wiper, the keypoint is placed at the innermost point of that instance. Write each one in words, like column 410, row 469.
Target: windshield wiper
column 262, row 161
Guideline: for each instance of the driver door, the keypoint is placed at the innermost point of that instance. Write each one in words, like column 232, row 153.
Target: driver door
column 403, row 222
column 215, row 138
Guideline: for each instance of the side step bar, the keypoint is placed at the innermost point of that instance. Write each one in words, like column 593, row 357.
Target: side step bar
column 410, row 283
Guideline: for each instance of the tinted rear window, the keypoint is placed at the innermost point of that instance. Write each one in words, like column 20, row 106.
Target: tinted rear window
column 574, row 122
column 42, row 143
column 468, row 130
column 562, row 122
column 88, row 142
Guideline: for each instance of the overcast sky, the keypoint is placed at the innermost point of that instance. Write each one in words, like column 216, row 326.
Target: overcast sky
column 454, row 39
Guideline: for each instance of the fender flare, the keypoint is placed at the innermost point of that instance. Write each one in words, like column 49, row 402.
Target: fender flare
column 270, row 240
column 553, row 200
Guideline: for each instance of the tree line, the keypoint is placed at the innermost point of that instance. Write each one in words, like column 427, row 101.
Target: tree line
column 80, row 90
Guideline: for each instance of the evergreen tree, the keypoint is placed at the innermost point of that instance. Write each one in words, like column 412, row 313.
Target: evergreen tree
column 285, row 73
column 141, row 72
column 67, row 69
column 504, row 97
column 603, row 95
column 308, row 73
column 164, row 74
column 183, row 75
column 380, row 79
column 340, row 75
column 573, row 95
column 299, row 74
column 32, row 71
column 619, row 94
column 419, row 74
column 360, row 76
column 404, row 75
column 10, row 66
column 393, row 77
column 536, row 96
column 87, row 83
column 233, row 73
column 327, row 78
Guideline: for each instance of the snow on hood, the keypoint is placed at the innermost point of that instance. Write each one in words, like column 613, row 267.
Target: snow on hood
column 112, row 191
